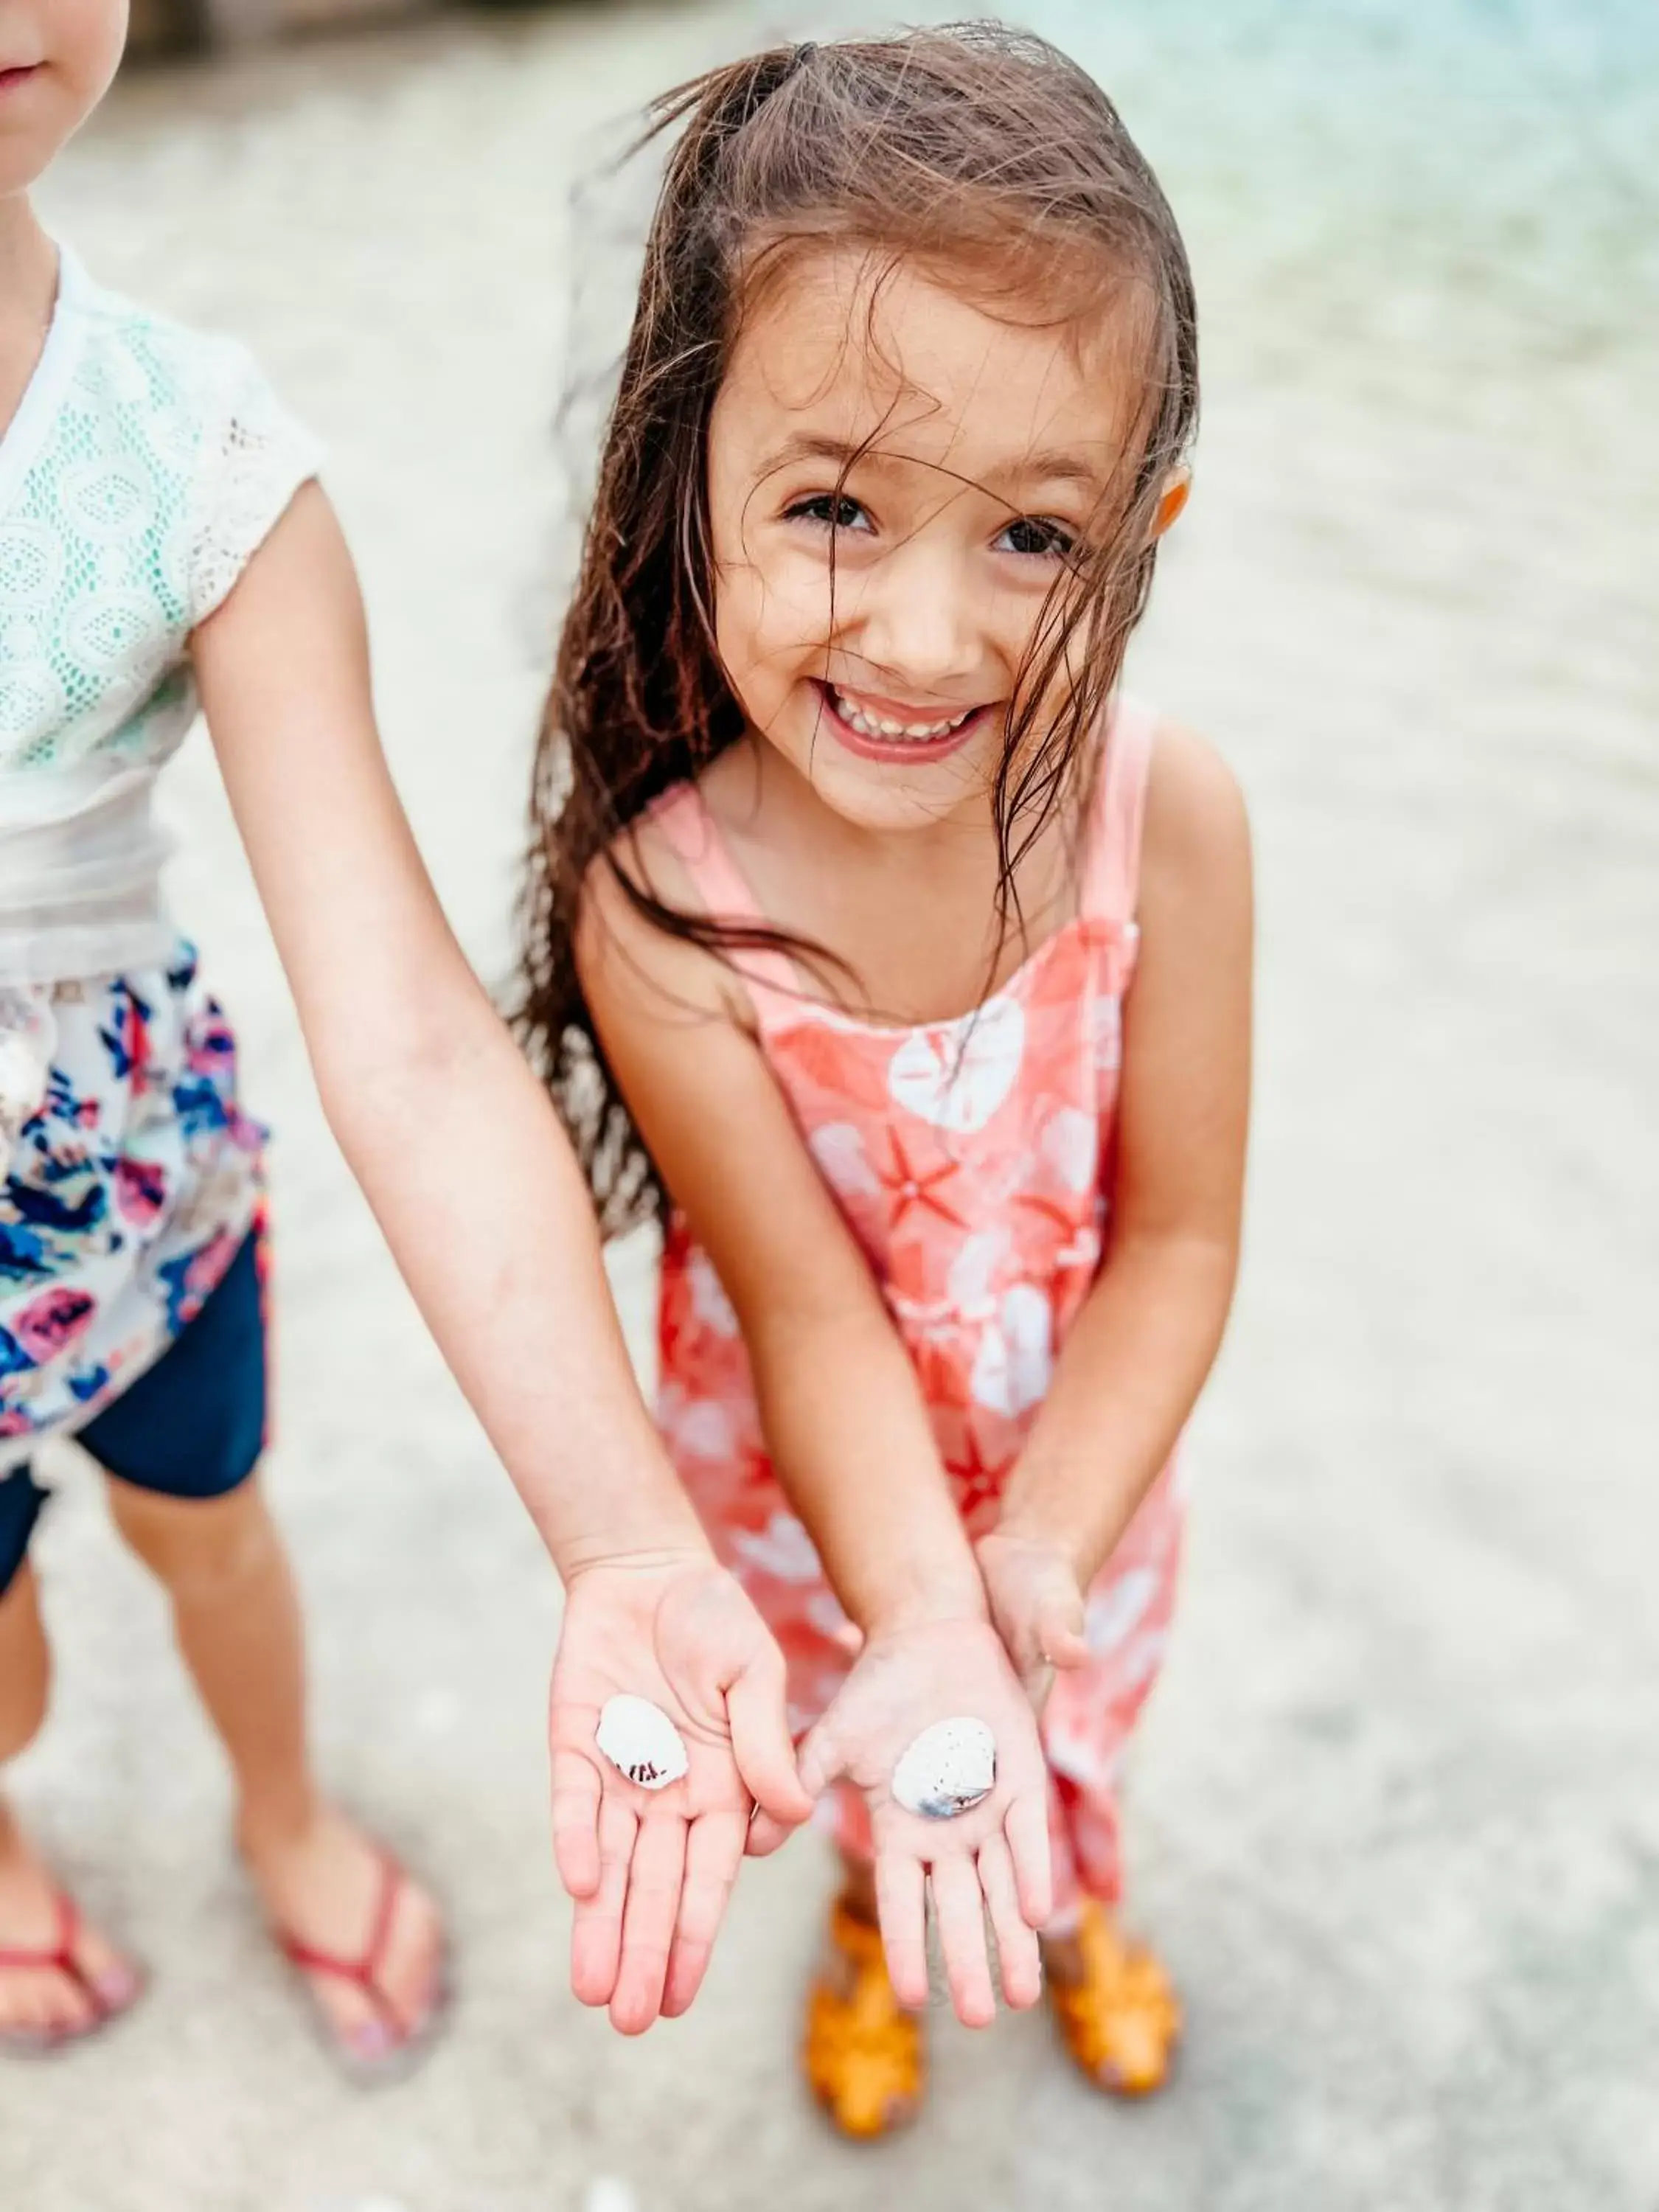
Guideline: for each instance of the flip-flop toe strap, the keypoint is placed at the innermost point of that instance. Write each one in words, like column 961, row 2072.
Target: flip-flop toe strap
column 59, row 1958
column 362, row 1972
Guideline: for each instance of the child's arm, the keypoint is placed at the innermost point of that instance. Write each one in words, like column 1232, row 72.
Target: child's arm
column 850, row 1439
column 1144, row 1343
column 471, row 1178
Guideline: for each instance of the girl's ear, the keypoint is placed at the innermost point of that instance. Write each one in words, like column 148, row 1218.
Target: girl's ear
column 1176, row 492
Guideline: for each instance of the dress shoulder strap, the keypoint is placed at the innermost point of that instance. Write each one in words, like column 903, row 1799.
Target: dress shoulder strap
column 681, row 818
column 1111, row 875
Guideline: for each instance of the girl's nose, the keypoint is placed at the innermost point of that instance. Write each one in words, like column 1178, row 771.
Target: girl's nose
column 918, row 620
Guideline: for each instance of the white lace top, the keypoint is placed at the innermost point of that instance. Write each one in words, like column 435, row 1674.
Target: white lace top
column 145, row 465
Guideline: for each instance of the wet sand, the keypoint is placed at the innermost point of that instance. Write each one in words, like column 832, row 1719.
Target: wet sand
column 1396, row 1816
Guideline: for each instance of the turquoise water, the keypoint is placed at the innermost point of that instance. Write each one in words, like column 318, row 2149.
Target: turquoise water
column 1453, row 171
column 1425, row 236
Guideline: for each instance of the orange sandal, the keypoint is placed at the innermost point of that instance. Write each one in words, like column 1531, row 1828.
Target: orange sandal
column 404, row 2043
column 863, row 2056
column 1120, row 2020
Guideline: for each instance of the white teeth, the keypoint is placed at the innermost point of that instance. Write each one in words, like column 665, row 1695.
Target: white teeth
column 873, row 726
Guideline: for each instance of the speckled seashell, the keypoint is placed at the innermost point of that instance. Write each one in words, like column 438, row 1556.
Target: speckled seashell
column 640, row 1742
column 949, row 1769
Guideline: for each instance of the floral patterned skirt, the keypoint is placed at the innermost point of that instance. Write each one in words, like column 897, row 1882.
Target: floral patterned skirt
column 128, row 1192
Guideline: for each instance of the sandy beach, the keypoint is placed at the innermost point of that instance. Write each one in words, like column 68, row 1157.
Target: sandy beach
column 1396, row 1819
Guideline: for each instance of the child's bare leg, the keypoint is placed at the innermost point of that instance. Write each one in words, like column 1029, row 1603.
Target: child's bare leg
column 237, row 1618
column 38, row 2001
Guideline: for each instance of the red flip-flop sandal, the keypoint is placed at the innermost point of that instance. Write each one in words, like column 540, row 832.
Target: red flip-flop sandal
column 59, row 1957
column 407, row 2045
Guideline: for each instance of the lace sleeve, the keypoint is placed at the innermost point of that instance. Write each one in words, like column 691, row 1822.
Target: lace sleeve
column 254, row 457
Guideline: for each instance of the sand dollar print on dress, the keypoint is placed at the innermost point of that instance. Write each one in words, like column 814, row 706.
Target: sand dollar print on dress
column 709, row 1300
column 1015, row 1357
column 955, row 1077
column 842, row 1161
column 974, row 1269
column 783, row 1548
column 1115, row 1612
column 1070, row 1144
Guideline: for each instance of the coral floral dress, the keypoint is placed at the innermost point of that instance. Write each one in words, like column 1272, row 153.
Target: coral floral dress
column 971, row 1160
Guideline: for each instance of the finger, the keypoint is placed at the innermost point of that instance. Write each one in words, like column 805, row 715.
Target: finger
column 765, row 1835
column 654, row 1883
column 714, row 1852
column 596, row 1938
column 577, row 1791
column 901, row 1909
column 848, row 1637
column 1017, row 1952
column 959, row 1908
column 1026, row 1826
column 760, row 1742
column 820, row 1761
column 1059, row 1632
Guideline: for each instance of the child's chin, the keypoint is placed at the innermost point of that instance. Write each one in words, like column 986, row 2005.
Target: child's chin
column 896, row 799
column 884, row 795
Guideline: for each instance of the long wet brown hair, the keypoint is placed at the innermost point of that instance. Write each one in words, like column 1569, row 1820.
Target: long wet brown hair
column 974, row 150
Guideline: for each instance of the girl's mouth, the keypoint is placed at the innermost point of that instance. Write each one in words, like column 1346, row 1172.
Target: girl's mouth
column 913, row 736
column 20, row 75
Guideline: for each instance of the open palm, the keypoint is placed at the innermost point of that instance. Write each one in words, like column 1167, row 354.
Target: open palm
column 650, row 1871
column 992, row 1859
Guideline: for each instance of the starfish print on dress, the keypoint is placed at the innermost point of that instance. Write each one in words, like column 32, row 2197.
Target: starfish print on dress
column 1079, row 1254
column 1052, row 1209
column 911, row 1187
column 974, row 1481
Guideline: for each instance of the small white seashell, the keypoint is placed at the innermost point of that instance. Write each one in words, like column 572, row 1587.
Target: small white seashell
column 640, row 1742
column 949, row 1769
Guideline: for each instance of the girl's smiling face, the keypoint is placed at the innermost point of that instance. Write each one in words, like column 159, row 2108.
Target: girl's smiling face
column 897, row 479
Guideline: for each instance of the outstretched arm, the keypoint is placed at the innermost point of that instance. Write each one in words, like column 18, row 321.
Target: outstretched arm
column 850, row 1438
column 416, row 1073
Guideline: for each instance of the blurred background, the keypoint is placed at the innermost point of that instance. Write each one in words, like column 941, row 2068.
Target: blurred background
column 1395, row 1819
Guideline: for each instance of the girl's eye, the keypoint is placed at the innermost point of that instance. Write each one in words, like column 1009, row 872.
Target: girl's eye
column 1032, row 537
column 830, row 510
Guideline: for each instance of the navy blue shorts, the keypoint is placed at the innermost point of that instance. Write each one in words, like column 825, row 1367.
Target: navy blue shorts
column 192, row 1426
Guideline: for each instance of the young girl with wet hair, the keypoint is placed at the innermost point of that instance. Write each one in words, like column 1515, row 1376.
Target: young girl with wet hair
column 898, row 964
column 162, row 539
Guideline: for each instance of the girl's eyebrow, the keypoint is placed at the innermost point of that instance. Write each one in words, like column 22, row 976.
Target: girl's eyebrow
column 1058, row 468
column 814, row 445
column 1046, row 467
